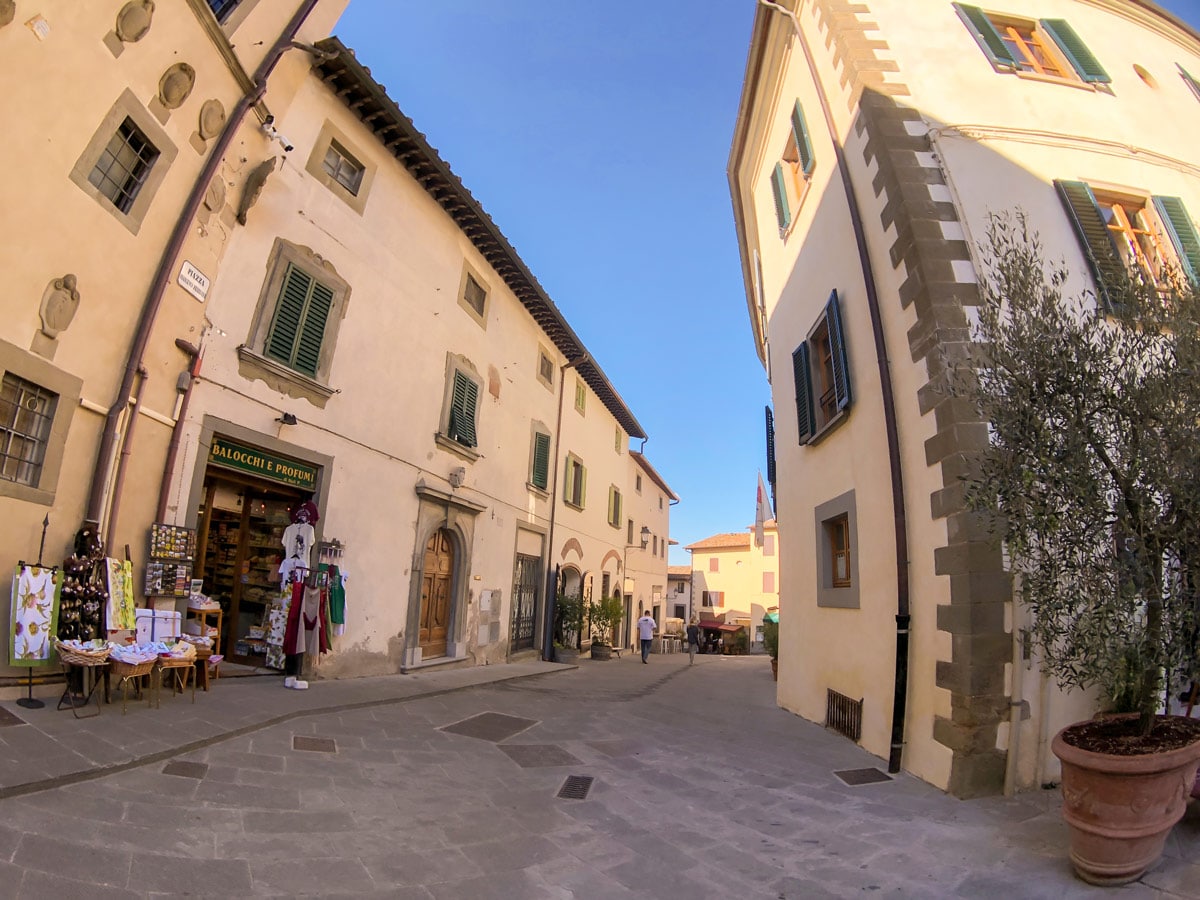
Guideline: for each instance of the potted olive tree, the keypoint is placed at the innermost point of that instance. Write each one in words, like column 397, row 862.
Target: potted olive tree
column 1090, row 479
column 568, row 622
column 604, row 617
column 771, row 644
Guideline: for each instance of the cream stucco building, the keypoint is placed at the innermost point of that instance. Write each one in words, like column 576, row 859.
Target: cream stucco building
column 292, row 297
column 873, row 141
column 734, row 577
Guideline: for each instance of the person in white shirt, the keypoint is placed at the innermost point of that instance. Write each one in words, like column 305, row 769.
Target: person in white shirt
column 646, row 633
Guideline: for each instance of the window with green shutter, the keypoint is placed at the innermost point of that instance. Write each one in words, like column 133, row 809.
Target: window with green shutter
column 822, row 376
column 1152, row 238
column 541, row 460
column 463, row 404
column 574, row 482
column 1038, row 46
column 789, row 179
column 298, row 327
column 614, row 506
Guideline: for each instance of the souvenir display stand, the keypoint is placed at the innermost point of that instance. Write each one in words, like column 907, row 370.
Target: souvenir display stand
column 169, row 571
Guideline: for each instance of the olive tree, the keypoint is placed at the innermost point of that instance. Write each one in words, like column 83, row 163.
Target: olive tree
column 1091, row 476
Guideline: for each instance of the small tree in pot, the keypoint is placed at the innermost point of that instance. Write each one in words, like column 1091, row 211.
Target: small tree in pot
column 604, row 617
column 1091, row 480
column 771, row 645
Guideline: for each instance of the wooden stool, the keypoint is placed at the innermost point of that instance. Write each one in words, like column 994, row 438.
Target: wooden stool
column 181, row 673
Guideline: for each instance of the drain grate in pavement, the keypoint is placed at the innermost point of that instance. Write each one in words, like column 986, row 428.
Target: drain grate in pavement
column 539, row 756
column 7, row 718
column 856, row 777
column 576, row 787
column 315, row 744
column 185, row 769
column 491, row 726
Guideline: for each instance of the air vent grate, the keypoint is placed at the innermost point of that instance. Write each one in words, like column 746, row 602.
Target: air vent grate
column 576, row 787
column 843, row 714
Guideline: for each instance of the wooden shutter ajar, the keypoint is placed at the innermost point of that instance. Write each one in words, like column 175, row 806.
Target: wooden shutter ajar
column 805, row 421
column 779, row 191
column 1094, row 238
column 803, row 143
column 1075, row 50
column 1178, row 225
column 986, row 35
column 837, row 346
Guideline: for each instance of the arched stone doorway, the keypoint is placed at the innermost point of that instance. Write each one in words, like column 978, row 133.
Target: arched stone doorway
column 437, row 583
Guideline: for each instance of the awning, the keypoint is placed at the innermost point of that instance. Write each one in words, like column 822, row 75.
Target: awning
column 771, row 617
column 710, row 625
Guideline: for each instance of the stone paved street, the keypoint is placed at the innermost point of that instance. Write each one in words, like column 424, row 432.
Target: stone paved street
column 444, row 785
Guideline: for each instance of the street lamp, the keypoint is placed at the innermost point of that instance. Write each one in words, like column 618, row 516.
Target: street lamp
column 645, row 535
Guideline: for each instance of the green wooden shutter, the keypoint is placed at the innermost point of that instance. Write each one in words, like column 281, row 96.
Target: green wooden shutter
column 1178, row 225
column 1189, row 80
column 803, row 144
column 837, row 347
column 612, row 503
column 582, row 485
column 986, row 36
column 779, row 191
column 312, row 331
column 541, row 460
column 1094, row 238
column 289, row 316
column 770, row 448
column 805, row 423
column 298, row 327
column 462, row 410
column 1075, row 50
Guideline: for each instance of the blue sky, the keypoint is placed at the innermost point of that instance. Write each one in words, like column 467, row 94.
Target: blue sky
column 596, row 136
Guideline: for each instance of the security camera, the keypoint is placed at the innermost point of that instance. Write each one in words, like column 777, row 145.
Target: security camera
column 268, row 127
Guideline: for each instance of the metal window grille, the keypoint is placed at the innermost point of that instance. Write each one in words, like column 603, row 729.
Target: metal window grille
column 222, row 8
column 124, row 166
column 26, row 414
column 343, row 168
column 843, row 715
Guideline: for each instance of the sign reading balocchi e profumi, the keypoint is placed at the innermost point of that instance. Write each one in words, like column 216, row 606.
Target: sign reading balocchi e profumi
column 226, row 453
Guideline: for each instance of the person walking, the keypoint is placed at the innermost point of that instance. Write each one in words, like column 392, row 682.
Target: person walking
column 693, row 639
column 646, row 633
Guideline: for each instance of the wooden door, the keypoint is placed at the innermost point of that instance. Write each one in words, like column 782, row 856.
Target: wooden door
column 435, row 594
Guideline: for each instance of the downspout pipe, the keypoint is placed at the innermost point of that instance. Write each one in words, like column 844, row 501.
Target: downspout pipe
column 900, row 525
column 164, row 488
column 162, row 276
column 114, row 511
column 552, row 570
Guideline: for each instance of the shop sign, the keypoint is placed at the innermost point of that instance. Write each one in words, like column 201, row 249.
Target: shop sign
column 258, row 462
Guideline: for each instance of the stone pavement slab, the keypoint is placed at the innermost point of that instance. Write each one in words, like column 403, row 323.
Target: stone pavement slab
column 701, row 788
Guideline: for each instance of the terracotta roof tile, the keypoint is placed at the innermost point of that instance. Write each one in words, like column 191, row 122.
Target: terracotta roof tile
column 728, row 541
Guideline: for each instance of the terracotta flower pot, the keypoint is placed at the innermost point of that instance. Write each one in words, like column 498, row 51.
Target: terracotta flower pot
column 1120, row 809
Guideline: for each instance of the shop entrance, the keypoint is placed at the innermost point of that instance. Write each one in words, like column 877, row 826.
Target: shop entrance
column 436, row 583
column 239, row 548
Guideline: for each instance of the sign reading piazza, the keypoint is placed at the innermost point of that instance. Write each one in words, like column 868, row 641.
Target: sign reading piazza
column 226, row 453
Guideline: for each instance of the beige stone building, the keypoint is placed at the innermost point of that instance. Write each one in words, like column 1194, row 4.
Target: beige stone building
column 872, row 143
column 735, row 578
column 280, row 293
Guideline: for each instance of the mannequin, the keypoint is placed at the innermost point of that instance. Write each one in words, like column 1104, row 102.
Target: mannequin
column 305, row 631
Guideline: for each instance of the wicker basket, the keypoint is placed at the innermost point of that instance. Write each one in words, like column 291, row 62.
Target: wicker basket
column 78, row 657
column 130, row 670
